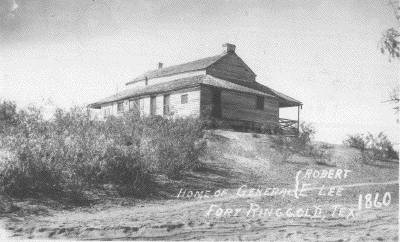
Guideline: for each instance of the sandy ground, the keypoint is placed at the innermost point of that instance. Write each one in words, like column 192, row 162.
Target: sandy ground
column 236, row 159
column 188, row 220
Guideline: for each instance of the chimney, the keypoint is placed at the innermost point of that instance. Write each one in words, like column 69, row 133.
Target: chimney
column 229, row 48
column 160, row 64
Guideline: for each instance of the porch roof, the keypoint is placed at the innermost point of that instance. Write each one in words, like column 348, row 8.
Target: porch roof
column 250, row 87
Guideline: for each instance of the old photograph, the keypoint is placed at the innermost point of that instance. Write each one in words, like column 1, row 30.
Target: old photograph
column 271, row 120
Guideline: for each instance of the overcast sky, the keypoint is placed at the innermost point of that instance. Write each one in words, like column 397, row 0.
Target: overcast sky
column 324, row 53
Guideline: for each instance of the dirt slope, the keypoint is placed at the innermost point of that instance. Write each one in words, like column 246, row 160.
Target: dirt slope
column 233, row 159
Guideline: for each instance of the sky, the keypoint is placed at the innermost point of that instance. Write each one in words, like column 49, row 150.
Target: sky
column 323, row 53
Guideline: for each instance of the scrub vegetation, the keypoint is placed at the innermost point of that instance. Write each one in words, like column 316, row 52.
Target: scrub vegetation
column 372, row 147
column 72, row 153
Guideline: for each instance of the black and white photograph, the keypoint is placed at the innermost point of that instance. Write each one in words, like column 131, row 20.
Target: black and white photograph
column 203, row 120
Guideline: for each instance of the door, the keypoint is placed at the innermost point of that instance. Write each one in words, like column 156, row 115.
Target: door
column 216, row 103
column 153, row 106
column 166, row 104
column 134, row 106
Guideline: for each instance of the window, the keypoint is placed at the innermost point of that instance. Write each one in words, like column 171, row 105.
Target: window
column 153, row 106
column 260, row 103
column 166, row 104
column 120, row 107
column 184, row 99
column 106, row 111
column 134, row 105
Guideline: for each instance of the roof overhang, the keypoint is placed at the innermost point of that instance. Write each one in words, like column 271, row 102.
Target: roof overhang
column 175, row 85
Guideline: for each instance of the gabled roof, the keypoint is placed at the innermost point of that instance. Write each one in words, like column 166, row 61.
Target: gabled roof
column 177, row 85
column 208, row 63
column 200, row 64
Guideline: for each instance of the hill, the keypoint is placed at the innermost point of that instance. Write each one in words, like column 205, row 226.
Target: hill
column 239, row 174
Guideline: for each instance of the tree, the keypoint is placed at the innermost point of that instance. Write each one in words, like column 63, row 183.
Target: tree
column 390, row 41
column 394, row 98
column 390, row 44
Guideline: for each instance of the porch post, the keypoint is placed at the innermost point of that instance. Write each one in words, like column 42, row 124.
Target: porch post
column 298, row 119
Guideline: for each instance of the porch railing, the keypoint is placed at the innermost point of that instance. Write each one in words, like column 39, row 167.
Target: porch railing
column 288, row 126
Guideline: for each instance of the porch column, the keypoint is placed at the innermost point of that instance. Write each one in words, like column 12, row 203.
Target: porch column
column 298, row 118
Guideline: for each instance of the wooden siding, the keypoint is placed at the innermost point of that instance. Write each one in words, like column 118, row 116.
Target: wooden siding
column 231, row 67
column 234, row 105
column 107, row 110
column 243, row 107
column 177, row 109
column 240, row 106
column 191, row 108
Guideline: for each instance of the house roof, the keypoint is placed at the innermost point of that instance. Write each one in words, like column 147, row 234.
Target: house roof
column 200, row 64
column 284, row 100
column 252, row 87
column 180, row 84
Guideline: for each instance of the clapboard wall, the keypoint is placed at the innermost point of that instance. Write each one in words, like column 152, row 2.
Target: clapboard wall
column 240, row 106
column 177, row 109
column 231, row 67
column 234, row 105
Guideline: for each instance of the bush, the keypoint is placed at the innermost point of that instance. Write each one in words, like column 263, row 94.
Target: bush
column 284, row 145
column 123, row 168
column 372, row 147
column 21, row 178
column 321, row 154
column 301, row 144
column 356, row 141
column 8, row 115
column 173, row 146
column 72, row 152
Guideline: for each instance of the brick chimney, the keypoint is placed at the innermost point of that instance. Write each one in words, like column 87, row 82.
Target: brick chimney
column 160, row 65
column 229, row 48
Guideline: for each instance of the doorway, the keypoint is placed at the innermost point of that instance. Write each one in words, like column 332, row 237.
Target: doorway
column 153, row 106
column 216, row 110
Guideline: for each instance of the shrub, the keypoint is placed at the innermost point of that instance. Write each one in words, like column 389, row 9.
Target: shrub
column 173, row 146
column 8, row 115
column 381, row 147
column 21, row 178
column 356, row 141
column 377, row 147
column 284, row 145
column 326, row 146
column 46, row 155
column 123, row 167
column 321, row 154
column 72, row 152
column 301, row 144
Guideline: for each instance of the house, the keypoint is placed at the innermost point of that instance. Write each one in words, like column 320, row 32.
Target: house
column 221, row 86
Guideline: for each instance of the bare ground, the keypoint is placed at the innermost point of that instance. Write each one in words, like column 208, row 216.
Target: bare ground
column 234, row 159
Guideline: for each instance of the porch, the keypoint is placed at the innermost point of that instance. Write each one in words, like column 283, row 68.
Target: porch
column 290, row 127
